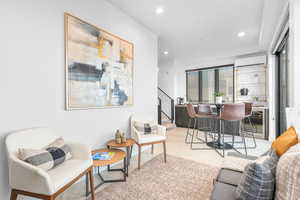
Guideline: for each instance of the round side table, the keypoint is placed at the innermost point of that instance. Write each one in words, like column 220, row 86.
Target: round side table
column 118, row 156
column 128, row 145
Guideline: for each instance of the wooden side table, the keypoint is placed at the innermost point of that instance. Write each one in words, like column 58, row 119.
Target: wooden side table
column 128, row 145
column 118, row 156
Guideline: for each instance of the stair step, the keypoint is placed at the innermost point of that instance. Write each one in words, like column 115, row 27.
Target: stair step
column 169, row 125
column 165, row 121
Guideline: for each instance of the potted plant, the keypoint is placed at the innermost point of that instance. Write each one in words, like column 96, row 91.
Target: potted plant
column 219, row 97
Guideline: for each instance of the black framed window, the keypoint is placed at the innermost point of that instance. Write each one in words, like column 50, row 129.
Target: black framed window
column 193, row 79
column 201, row 84
column 282, row 84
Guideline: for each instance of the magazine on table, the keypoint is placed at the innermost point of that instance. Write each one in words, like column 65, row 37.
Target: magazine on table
column 103, row 156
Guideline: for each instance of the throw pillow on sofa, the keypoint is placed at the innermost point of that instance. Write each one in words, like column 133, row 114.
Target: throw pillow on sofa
column 286, row 140
column 146, row 128
column 258, row 179
column 288, row 175
column 49, row 157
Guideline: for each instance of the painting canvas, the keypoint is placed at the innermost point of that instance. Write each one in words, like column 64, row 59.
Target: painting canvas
column 99, row 67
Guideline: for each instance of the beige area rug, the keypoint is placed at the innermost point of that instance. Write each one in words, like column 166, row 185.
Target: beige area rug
column 178, row 179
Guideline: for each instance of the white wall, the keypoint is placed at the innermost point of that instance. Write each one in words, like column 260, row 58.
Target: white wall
column 32, row 72
column 166, row 78
column 295, row 52
column 272, row 96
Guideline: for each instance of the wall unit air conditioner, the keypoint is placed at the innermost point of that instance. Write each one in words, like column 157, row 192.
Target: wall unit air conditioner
column 257, row 60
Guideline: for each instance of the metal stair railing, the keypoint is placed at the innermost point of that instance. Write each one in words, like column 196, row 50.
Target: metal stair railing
column 166, row 105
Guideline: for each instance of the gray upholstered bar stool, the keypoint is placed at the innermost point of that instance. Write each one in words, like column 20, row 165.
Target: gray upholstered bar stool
column 234, row 113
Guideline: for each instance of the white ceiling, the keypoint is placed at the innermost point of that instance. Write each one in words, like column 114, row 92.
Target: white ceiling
column 191, row 29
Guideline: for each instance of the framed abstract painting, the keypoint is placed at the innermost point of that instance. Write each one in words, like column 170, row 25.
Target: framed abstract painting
column 99, row 67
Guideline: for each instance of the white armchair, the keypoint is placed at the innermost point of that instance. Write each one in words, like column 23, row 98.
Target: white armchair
column 26, row 179
column 149, row 139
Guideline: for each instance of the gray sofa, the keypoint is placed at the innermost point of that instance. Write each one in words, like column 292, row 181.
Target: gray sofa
column 229, row 176
column 287, row 171
column 225, row 184
column 287, row 176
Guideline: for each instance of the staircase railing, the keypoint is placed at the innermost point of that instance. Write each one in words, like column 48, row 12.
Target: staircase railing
column 166, row 106
column 159, row 111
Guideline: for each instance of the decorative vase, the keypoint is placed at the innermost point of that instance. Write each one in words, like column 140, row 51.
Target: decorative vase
column 123, row 138
column 119, row 140
column 219, row 100
column 118, row 137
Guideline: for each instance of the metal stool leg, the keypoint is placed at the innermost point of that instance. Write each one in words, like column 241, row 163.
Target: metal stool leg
column 188, row 131
column 195, row 135
column 205, row 135
column 204, row 126
column 200, row 140
column 251, row 132
column 195, row 123
column 223, row 131
column 243, row 137
column 254, row 130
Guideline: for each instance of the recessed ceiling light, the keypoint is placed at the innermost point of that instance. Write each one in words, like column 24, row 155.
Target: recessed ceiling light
column 241, row 34
column 166, row 52
column 159, row 10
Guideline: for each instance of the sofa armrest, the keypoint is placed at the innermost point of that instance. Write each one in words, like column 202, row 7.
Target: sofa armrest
column 235, row 163
column 242, row 156
column 22, row 174
column 80, row 151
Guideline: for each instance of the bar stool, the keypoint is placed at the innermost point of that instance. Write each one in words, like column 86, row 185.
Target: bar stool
column 248, row 114
column 233, row 113
column 203, row 116
column 192, row 117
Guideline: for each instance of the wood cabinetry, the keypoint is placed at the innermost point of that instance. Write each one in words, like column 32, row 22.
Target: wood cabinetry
column 260, row 118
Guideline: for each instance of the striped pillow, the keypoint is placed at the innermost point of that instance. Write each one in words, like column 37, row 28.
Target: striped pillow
column 49, row 157
column 258, row 179
column 146, row 128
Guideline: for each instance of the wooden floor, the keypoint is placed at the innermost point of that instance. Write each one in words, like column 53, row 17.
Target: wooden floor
column 177, row 147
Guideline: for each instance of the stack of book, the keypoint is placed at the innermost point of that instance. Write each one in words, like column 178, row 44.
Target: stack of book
column 103, row 156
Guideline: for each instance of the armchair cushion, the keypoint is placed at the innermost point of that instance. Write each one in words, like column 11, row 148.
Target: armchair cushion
column 145, row 128
column 151, row 138
column 67, row 171
column 49, row 157
column 223, row 191
column 229, row 176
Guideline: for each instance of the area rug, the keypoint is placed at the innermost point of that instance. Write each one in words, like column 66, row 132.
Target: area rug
column 178, row 179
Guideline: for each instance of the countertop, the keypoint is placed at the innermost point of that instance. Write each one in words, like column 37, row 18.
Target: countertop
column 256, row 106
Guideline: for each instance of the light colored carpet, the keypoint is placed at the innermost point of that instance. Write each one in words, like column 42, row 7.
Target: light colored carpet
column 175, row 147
column 178, row 179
